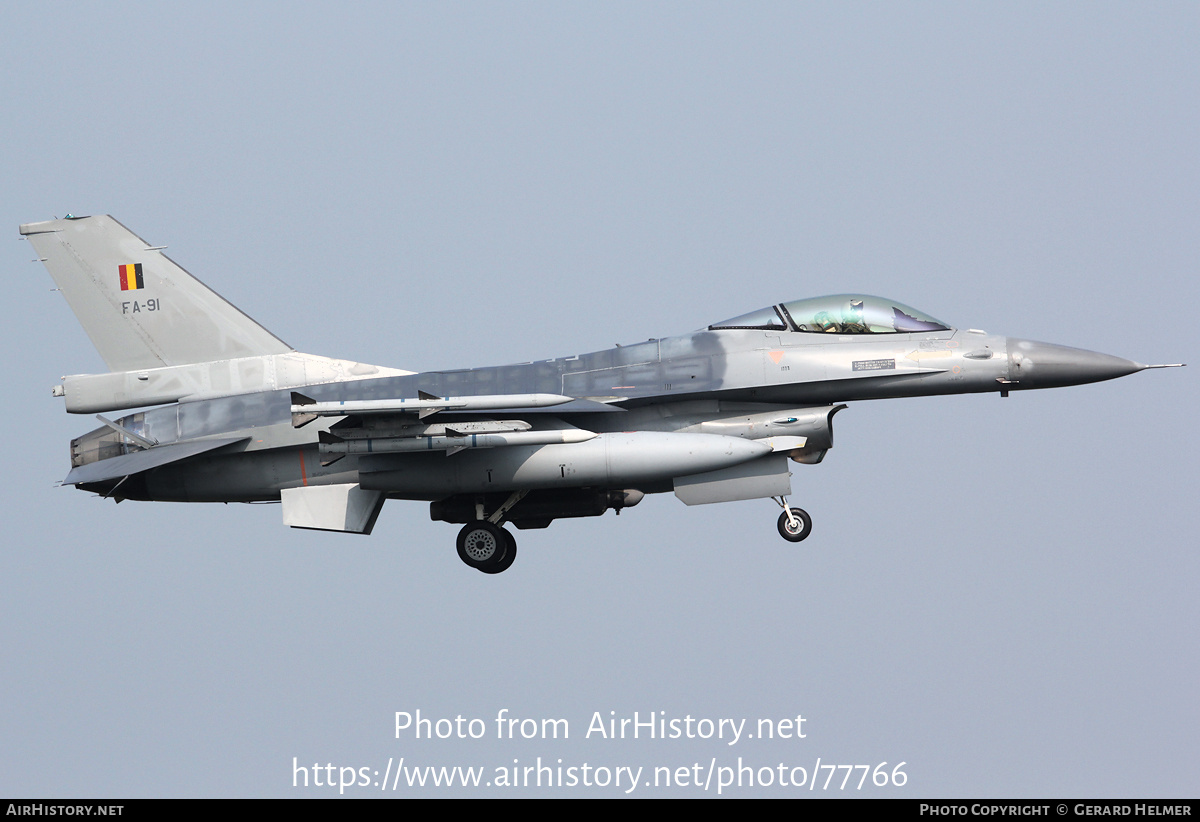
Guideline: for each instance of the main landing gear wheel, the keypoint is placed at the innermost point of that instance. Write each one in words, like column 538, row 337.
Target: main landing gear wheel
column 486, row 546
column 796, row 527
column 510, row 555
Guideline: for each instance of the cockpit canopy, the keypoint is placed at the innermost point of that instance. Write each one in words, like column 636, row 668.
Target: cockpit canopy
column 838, row 314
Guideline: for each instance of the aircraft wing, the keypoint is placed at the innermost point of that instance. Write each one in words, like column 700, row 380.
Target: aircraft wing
column 139, row 461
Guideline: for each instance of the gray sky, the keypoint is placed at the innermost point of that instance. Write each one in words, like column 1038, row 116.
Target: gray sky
column 999, row 593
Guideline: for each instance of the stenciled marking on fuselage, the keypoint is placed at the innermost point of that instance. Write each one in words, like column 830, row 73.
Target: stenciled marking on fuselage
column 873, row 365
column 137, row 307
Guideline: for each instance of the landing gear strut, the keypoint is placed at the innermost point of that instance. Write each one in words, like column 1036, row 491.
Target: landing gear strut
column 483, row 544
column 794, row 523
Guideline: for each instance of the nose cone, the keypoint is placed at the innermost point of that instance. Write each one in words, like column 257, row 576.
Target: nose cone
column 1044, row 365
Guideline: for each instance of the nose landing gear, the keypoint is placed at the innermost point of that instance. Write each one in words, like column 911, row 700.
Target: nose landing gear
column 794, row 523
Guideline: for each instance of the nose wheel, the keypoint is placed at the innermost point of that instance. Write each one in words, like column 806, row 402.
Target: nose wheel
column 794, row 523
column 486, row 547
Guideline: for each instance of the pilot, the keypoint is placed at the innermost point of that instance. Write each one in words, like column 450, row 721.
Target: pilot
column 823, row 321
column 854, row 322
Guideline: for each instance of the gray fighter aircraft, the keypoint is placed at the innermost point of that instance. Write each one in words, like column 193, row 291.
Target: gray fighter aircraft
column 233, row 414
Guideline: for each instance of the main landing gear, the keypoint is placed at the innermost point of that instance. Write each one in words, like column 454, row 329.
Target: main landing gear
column 486, row 546
column 794, row 523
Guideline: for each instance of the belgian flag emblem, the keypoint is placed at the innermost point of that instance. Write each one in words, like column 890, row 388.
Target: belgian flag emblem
column 131, row 276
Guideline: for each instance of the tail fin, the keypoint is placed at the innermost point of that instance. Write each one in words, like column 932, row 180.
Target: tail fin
column 139, row 308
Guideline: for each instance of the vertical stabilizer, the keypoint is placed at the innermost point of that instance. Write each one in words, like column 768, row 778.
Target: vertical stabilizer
column 139, row 308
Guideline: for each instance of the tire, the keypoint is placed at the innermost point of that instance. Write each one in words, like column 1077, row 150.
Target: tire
column 510, row 555
column 482, row 544
column 803, row 522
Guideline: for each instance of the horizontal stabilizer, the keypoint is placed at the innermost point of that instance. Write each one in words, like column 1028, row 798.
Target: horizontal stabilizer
column 135, row 463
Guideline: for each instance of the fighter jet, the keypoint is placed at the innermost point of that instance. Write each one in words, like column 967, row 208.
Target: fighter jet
column 225, row 411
